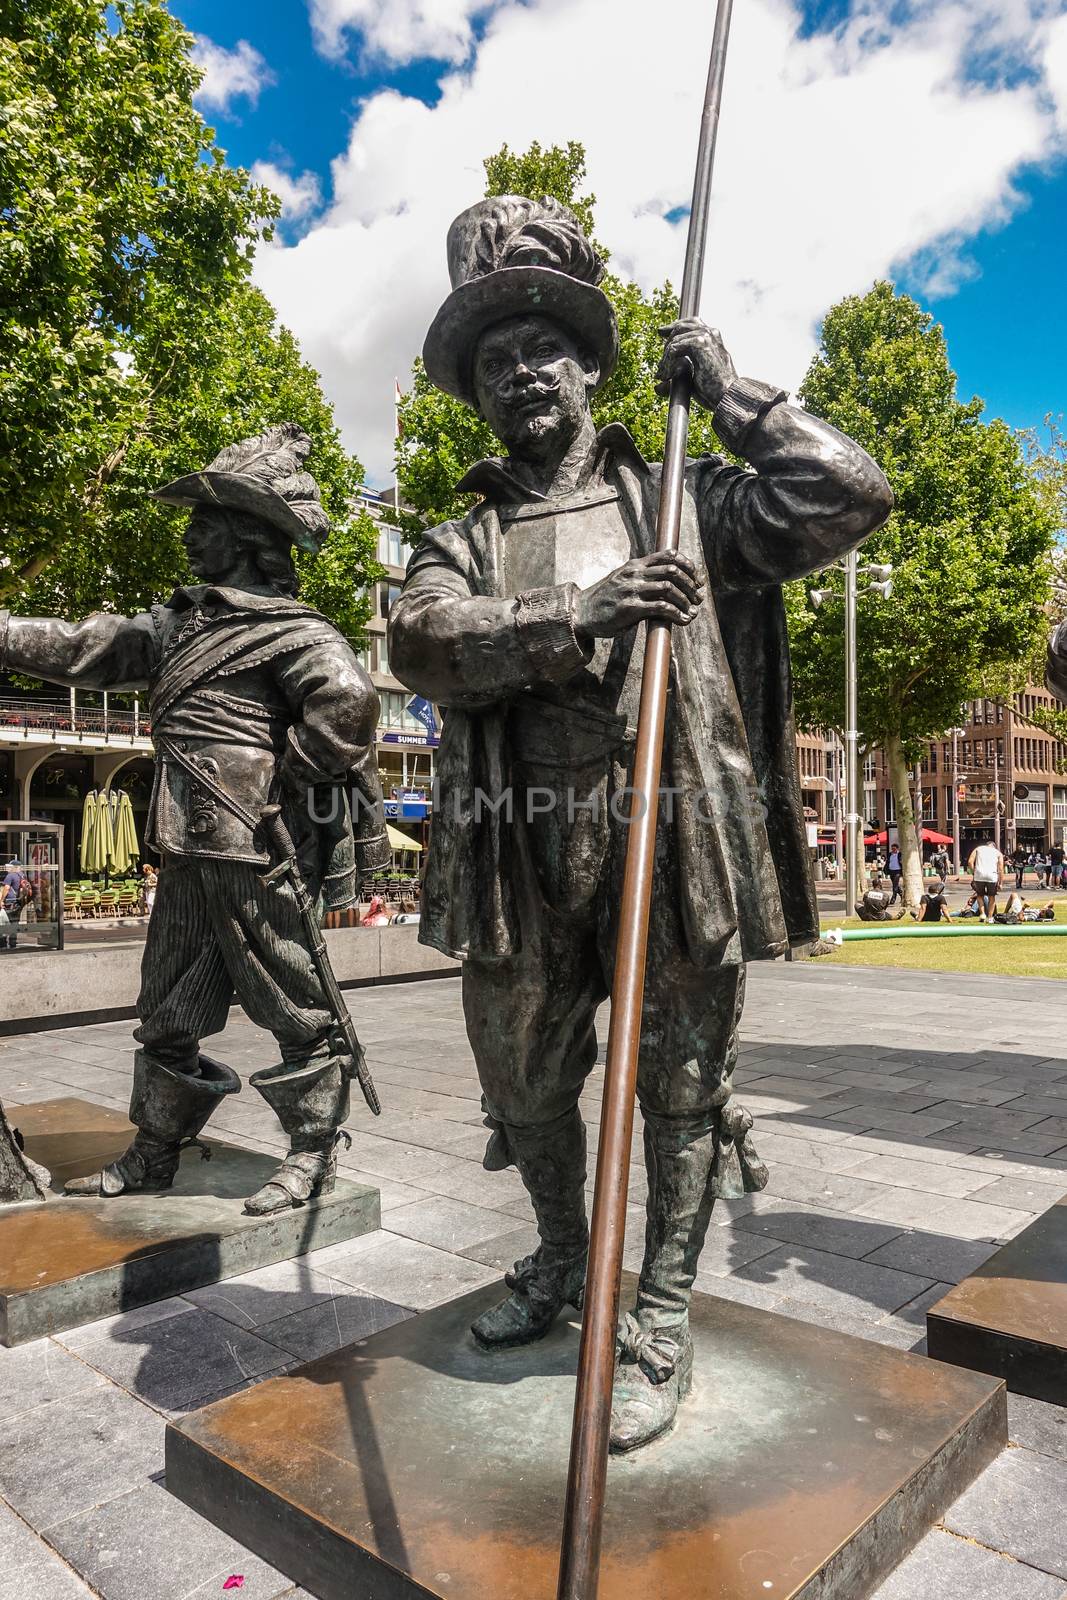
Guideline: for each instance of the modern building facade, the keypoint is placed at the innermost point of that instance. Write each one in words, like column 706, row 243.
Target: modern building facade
column 1008, row 777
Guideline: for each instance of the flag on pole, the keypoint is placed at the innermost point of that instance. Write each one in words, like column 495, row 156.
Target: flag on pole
column 423, row 710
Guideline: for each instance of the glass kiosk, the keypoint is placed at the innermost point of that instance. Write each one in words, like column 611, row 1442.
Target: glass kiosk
column 35, row 922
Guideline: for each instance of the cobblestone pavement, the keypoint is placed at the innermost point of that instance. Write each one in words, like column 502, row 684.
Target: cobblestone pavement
column 911, row 1121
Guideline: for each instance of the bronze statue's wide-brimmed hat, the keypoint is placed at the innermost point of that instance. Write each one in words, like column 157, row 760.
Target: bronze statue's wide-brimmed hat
column 508, row 256
column 264, row 477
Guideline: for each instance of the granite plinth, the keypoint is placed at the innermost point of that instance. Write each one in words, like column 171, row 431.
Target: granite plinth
column 1010, row 1317
column 64, row 1261
column 804, row 1466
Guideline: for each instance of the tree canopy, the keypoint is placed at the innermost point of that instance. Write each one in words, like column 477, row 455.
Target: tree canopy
column 132, row 344
column 970, row 539
column 441, row 437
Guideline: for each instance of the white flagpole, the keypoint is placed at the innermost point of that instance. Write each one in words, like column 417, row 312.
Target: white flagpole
column 396, row 441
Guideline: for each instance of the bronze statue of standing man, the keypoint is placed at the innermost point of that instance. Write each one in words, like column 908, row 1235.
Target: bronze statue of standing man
column 254, row 699
column 526, row 621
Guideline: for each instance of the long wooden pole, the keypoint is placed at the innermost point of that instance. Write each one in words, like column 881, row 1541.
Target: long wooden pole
column 583, row 1518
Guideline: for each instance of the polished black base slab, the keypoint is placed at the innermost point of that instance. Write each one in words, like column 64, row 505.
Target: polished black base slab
column 804, row 1466
column 65, row 1262
column 1010, row 1317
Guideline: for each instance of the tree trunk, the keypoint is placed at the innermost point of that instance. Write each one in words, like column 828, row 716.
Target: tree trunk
column 20, row 1178
column 911, row 856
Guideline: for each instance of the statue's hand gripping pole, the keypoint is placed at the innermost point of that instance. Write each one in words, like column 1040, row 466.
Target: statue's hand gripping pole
column 583, row 1517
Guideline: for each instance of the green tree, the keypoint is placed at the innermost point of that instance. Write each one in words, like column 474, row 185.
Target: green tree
column 132, row 345
column 970, row 540
column 441, row 437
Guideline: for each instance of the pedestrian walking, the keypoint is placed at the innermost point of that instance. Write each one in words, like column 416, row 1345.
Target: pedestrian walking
column 1056, row 858
column 895, row 868
column 986, row 866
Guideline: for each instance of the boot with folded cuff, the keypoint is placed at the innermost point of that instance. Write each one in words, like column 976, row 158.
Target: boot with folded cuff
column 310, row 1102
column 169, row 1108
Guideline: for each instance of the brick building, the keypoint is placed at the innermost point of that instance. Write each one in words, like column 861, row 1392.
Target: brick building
column 1000, row 756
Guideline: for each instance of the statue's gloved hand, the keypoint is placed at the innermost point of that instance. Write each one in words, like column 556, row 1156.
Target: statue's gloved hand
column 690, row 342
column 662, row 587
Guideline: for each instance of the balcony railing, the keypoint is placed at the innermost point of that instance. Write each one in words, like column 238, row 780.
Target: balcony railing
column 30, row 720
column 1030, row 810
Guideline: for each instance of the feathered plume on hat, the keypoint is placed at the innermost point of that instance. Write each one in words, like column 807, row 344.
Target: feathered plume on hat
column 264, row 477
column 508, row 256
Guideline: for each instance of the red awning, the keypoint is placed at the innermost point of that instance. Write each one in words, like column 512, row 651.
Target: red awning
column 929, row 836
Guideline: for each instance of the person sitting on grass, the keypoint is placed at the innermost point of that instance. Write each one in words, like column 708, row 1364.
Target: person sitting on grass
column 933, row 905
column 874, row 907
column 971, row 908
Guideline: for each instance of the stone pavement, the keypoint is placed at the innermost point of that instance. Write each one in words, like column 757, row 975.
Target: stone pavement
column 911, row 1121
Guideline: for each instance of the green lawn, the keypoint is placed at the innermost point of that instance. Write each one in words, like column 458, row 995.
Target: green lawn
column 1008, row 958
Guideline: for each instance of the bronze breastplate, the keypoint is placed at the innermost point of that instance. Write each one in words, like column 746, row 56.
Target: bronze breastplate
column 578, row 539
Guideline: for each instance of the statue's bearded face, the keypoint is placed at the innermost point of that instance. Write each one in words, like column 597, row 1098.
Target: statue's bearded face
column 533, row 382
column 210, row 544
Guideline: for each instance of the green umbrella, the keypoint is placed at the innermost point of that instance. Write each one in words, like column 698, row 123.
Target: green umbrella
column 104, row 840
column 127, row 849
column 88, row 840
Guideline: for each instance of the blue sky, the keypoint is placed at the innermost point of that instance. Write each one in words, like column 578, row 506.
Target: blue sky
column 996, row 285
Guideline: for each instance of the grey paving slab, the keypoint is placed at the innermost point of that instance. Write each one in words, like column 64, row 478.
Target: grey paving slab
column 1017, row 1506
column 64, row 1457
column 1037, row 1426
column 29, row 1570
column 925, row 1176
column 932, row 1255
column 502, row 1252
column 403, row 1271
column 812, row 1154
column 868, row 1114
column 856, row 1287
column 940, row 1149
column 823, row 1230
column 996, row 1119
column 832, row 1314
column 448, row 1224
column 944, row 1567
column 467, row 1180
column 33, row 1374
column 392, row 1158
column 344, row 1319
column 827, row 1190
column 1022, row 1194
column 962, row 1219
column 146, row 1543
column 267, row 1295
column 176, row 1362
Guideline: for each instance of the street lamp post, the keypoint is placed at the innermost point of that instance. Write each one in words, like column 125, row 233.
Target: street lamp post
column 839, row 795
column 881, row 577
column 853, row 843
column 956, row 865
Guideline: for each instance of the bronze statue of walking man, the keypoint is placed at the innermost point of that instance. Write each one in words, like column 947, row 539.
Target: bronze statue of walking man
column 525, row 621
column 254, row 699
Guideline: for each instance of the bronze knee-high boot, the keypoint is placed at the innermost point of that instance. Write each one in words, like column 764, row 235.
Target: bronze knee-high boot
column 311, row 1102
column 690, row 1161
column 551, row 1163
column 170, row 1108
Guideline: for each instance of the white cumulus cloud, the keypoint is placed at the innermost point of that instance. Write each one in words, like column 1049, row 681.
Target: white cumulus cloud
column 397, row 30
column 229, row 74
column 843, row 155
column 300, row 195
